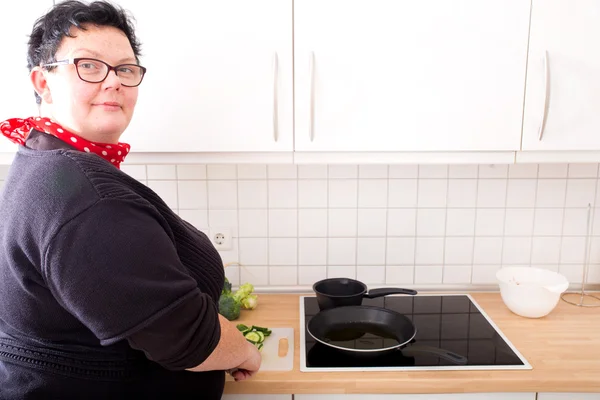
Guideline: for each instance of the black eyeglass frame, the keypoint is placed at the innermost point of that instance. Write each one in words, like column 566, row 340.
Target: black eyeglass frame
column 75, row 62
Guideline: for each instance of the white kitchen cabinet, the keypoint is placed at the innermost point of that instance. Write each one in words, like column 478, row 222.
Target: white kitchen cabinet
column 16, row 91
column 256, row 397
column 568, row 396
column 453, row 396
column 400, row 75
column 563, row 77
column 219, row 76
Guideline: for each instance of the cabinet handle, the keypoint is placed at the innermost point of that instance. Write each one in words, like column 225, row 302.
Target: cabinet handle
column 311, row 125
column 275, row 97
column 546, row 95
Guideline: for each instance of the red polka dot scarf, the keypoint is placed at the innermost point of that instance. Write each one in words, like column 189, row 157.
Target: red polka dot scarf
column 17, row 129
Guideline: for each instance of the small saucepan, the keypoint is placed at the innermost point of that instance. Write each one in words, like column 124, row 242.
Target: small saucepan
column 340, row 292
column 344, row 328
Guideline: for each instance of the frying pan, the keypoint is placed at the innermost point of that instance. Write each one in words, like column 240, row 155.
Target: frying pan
column 339, row 292
column 339, row 327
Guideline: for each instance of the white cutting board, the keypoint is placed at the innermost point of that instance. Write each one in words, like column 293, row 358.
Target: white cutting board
column 270, row 351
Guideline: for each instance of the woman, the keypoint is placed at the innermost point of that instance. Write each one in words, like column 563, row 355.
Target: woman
column 104, row 291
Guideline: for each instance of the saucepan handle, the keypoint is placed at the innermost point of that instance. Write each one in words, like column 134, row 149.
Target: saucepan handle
column 387, row 291
column 445, row 354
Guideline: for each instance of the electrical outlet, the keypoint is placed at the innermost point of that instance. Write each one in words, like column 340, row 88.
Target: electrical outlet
column 221, row 238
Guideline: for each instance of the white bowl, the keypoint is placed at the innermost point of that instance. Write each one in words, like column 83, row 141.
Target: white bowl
column 531, row 292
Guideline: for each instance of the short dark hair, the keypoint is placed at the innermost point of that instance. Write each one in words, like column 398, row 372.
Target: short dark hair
column 50, row 29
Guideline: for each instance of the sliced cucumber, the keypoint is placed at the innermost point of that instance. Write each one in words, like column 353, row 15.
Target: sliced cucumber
column 261, row 335
column 254, row 337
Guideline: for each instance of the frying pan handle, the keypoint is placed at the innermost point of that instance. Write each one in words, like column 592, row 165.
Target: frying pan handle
column 445, row 354
column 387, row 291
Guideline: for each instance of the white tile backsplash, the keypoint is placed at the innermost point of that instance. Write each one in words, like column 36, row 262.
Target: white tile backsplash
column 432, row 192
column 162, row 172
column 371, row 274
column 463, row 171
column 493, row 171
column 491, row 193
column 403, row 171
column 370, row 251
column 218, row 172
column 283, row 251
column 401, row 221
column 342, row 222
column 431, row 222
column 222, row 195
column 312, row 193
column 388, row 224
column 283, row 193
column 312, row 172
column 343, row 171
column 341, row 251
column 283, row 223
column 400, row 251
column 521, row 193
column 402, row 193
column 553, row 170
column 551, row 192
column 252, row 194
column 516, row 171
column 253, row 223
column 312, row 251
column 460, row 221
column 372, row 193
column 251, row 171
column 343, row 193
column 312, row 222
column 184, row 172
column 372, row 222
column 429, row 251
column 192, row 195
column 399, row 275
column 462, row 193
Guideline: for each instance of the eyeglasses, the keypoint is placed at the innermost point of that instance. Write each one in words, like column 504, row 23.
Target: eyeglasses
column 95, row 71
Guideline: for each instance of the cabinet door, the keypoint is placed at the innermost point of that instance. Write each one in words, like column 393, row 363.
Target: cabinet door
column 256, row 397
column 219, row 76
column 400, row 75
column 563, row 76
column 568, row 396
column 449, row 396
column 17, row 95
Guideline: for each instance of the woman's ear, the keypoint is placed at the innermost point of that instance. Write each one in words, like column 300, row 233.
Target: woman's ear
column 40, row 84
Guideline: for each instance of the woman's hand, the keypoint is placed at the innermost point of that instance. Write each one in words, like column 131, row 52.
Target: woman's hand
column 250, row 366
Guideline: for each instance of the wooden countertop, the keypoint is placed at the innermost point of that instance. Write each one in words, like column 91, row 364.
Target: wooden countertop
column 563, row 349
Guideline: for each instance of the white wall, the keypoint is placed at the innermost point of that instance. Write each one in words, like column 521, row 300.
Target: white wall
column 402, row 225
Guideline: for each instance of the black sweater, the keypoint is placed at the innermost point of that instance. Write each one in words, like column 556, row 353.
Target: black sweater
column 100, row 282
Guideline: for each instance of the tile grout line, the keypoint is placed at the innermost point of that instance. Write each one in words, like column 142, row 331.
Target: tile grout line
column 562, row 222
column 445, row 225
column 414, row 276
column 503, row 220
column 385, row 233
column 356, row 227
column 268, row 223
column 237, row 200
column 474, row 225
column 535, row 197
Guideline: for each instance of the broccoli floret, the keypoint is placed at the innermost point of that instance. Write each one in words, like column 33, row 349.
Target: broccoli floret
column 250, row 302
column 226, row 287
column 244, row 291
column 229, row 307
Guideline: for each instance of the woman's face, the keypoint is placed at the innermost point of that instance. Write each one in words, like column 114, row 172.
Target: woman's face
column 96, row 111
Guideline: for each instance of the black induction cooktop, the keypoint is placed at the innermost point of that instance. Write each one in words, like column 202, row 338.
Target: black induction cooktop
column 449, row 322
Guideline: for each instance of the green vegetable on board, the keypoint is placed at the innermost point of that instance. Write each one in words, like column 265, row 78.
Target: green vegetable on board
column 254, row 334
